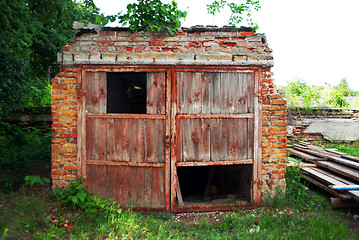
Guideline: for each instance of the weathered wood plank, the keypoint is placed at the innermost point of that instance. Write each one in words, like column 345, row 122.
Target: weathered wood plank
column 205, row 140
column 207, row 93
column 159, row 147
column 233, row 88
column 126, row 186
column 225, row 78
column 150, row 140
column 118, row 184
column 250, row 92
column 195, row 93
column 243, row 97
column 102, row 99
column 215, row 140
column 119, row 138
column 152, row 94
column 186, row 140
column 233, row 140
column 110, row 140
column 101, row 140
column 140, row 187
column 88, row 85
column 156, row 195
column 217, row 97
column 133, row 186
column 147, row 201
column 250, row 143
column 161, row 99
column 195, row 130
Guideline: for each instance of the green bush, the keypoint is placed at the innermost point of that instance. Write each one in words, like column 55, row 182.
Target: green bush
column 21, row 150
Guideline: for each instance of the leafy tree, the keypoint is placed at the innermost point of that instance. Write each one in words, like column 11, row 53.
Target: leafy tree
column 239, row 11
column 299, row 94
column 31, row 33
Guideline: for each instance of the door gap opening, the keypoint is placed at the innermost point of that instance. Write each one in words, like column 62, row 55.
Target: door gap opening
column 215, row 185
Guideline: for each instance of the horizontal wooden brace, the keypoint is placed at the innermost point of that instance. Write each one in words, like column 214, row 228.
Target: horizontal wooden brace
column 126, row 164
column 214, row 116
column 126, row 116
column 214, row 163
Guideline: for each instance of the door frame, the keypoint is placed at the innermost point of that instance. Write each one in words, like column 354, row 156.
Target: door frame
column 171, row 138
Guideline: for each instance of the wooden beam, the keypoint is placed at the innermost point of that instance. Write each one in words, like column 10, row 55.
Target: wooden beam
column 345, row 187
column 343, row 203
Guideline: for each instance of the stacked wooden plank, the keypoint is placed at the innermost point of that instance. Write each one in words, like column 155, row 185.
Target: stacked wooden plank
column 335, row 172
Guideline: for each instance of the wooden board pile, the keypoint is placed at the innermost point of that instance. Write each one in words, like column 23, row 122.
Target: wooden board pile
column 335, row 172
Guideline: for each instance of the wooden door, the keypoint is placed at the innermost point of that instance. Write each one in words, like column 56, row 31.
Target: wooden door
column 125, row 156
column 216, row 120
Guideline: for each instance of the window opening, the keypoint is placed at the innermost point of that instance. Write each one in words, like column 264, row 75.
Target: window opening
column 126, row 93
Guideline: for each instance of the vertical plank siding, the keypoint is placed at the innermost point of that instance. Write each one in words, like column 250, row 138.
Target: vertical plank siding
column 204, row 139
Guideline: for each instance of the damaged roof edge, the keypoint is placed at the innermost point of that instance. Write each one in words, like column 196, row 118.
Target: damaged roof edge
column 82, row 29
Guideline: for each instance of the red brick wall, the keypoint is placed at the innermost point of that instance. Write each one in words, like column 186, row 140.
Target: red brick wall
column 64, row 106
column 274, row 135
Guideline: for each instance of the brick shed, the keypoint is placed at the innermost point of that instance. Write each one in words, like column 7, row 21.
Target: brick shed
column 190, row 122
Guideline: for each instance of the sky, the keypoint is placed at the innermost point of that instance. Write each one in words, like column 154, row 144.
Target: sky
column 312, row 40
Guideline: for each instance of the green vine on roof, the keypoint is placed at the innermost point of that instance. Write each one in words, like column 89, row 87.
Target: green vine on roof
column 149, row 14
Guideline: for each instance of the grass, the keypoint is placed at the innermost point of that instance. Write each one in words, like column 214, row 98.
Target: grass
column 35, row 213
column 25, row 215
